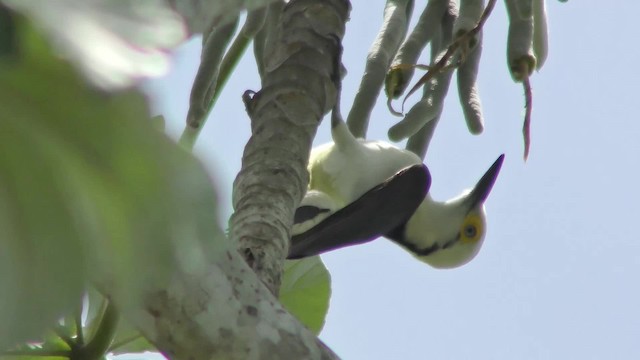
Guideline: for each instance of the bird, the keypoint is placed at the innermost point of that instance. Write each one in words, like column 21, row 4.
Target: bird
column 449, row 234
column 360, row 190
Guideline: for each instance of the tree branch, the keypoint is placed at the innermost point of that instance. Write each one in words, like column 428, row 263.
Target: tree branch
column 211, row 305
column 297, row 90
column 214, row 306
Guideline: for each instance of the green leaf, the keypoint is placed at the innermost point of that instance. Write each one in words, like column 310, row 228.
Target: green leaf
column 41, row 275
column 114, row 43
column 51, row 345
column 88, row 190
column 305, row 291
column 93, row 306
column 129, row 340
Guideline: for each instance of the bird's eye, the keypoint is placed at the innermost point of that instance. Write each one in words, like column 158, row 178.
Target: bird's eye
column 471, row 229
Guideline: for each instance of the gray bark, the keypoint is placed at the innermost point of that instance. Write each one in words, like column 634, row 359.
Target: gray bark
column 218, row 308
column 297, row 90
column 222, row 311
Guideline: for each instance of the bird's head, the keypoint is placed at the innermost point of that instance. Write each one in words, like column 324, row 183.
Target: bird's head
column 449, row 234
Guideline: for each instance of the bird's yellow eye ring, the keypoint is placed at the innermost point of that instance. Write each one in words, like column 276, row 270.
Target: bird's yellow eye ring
column 471, row 228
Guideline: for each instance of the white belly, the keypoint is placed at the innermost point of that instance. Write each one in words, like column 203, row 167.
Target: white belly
column 346, row 174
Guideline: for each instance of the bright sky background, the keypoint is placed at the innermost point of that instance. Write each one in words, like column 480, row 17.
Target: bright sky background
column 558, row 276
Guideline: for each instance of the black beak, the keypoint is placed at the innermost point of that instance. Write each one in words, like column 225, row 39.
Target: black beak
column 481, row 191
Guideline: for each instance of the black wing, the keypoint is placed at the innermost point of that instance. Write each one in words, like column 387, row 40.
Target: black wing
column 374, row 214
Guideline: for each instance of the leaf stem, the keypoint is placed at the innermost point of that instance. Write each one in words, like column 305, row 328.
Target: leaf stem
column 97, row 347
column 65, row 337
column 205, row 95
column 77, row 317
column 232, row 57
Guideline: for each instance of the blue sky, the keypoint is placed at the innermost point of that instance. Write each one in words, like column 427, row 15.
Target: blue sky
column 558, row 274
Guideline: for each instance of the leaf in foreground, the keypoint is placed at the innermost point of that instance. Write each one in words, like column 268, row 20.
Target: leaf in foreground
column 88, row 190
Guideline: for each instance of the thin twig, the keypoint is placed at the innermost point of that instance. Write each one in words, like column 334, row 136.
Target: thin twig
column 442, row 64
column 528, row 108
column 77, row 317
column 99, row 343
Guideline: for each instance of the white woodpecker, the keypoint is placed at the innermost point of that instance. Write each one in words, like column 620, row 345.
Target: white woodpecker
column 360, row 190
